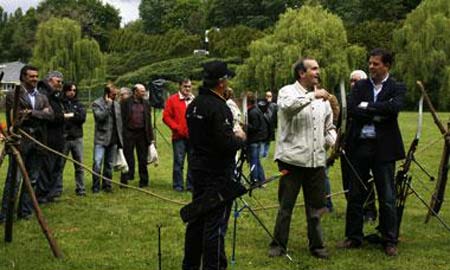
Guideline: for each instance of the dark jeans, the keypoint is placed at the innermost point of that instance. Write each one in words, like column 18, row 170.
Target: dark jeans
column 313, row 182
column 181, row 149
column 257, row 173
column 31, row 156
column 364, row 160
column 204, row 241
column 103, row 154
column 135, row 139
column 369, row 206
column 75, row 147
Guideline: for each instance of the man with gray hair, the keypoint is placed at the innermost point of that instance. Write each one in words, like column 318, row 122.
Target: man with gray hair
column 357, row 75
column 49, row 184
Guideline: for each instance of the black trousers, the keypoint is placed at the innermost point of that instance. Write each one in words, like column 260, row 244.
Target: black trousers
column 135, row 139
column 204, row 240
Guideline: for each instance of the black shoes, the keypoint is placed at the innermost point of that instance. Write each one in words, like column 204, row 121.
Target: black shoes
column 320, row 253
column 275, row 251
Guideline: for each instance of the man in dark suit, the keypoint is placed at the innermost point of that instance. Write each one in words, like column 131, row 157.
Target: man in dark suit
column 34, row 111
column 137, row 133
column 376, row 144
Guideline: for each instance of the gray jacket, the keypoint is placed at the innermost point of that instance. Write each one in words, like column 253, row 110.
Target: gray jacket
column 103, row 115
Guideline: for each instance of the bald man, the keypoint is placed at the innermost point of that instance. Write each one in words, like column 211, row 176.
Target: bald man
column 137, row 133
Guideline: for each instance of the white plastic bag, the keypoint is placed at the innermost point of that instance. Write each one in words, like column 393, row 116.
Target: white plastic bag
column 152, row 157
column 119, row 161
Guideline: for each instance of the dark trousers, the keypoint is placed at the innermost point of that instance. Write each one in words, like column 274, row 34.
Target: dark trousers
column 135, row 139
column 204, row 240
column 181, row 149
column 313, row 182
column 49, row 183
column 31, row 158
column 369, row 206
column 364, row 160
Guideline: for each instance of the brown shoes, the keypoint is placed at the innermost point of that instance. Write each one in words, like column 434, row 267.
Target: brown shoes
column 348, row 244
column 391, row 250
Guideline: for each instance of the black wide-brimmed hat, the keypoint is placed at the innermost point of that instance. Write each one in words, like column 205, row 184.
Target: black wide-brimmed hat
column 216, row 70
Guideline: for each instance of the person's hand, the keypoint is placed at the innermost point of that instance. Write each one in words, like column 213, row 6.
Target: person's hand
column 321, row 94
column 108, row 99
column 240, row 134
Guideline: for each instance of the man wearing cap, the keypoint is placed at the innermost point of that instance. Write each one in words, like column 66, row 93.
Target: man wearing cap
column 174, row 116
column 214, row 146
column 305, row 128
column 50, row 185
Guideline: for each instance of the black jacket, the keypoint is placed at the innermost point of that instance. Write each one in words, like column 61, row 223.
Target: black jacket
column 55, row 126
column 73, row 127
column 383, row 113
column 257, row 129
column 210, row 125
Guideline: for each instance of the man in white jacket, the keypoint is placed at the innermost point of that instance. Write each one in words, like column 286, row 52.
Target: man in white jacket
column 305, row 129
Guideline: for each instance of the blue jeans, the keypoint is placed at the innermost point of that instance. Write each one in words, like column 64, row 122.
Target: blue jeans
column 75, row 147
column 257, row 173
column 103, row 154
column 180, row 148
column 264, row 149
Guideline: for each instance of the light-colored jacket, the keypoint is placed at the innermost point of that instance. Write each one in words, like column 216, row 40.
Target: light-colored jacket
column 103, row 116
column 305, row 127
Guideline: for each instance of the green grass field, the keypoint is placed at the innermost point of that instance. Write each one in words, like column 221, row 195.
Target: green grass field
column 119, row 230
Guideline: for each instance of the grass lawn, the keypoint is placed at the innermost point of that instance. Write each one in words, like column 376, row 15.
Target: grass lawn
column 119, row 230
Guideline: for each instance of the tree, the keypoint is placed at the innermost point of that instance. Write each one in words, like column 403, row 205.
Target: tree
column 309, row 31
column 59, row 46
column 422, row 48
column 252, row 13
column 152, row 13
column 161, row 16
column 232, row 41
column 97, row 20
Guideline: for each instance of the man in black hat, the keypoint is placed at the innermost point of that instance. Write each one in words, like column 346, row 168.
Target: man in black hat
column 214, row 146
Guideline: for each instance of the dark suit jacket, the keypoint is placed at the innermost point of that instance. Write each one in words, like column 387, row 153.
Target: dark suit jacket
column 383, row 114
column 126, row 109
column 36, row 122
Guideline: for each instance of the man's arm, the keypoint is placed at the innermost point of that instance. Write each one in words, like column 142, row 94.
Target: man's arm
column 101, row 113
column 169, row 115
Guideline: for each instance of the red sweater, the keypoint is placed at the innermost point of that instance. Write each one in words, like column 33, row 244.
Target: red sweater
column 174, row 116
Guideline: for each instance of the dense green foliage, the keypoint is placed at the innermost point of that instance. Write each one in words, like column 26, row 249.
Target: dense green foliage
column 309, row 31
column 97, row 19
column 119, row 230
column 59, row 46
column 233, row 41
column 422, row 47
column 173, row 69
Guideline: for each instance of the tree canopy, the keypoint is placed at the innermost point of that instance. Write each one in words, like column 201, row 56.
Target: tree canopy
column 310, row 31
column 422, row 48
column 59, row 46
